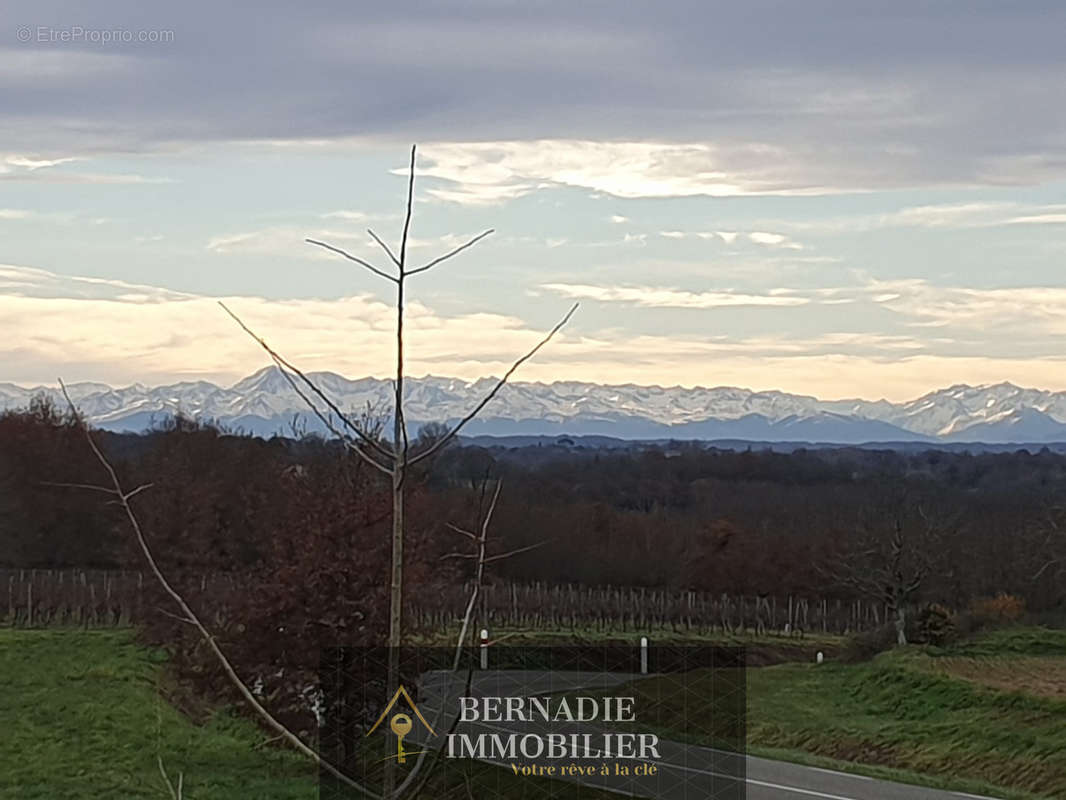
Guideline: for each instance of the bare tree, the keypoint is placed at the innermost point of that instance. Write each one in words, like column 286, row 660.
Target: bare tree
column 479, row 554
column 889, row 556
column 394, row 459
column 1048, row 548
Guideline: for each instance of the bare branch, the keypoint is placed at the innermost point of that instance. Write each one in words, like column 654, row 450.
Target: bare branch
column 385, row 247
column 175, row 793
column 285, row 366
column 90, row 487
column 356, row 259
column 454, row 252
column 478, row 575
column 166, row 613
column 137, row 491
column 1043, row 569
column 459, row 530
column 515, row 552
column 477, row 410
column 407, row 216
column 206, row 635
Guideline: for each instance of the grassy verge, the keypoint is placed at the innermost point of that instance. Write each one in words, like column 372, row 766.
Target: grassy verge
column 929, row 716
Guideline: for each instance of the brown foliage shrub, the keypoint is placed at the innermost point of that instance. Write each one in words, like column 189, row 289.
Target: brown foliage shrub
column 320, row 580
column 1003, row 609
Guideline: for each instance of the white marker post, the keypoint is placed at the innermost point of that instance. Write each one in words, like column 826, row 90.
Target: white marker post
column 643, row 655
column 819, row 658
column 484, row 648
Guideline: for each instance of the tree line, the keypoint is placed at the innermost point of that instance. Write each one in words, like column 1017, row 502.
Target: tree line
column 680, row 516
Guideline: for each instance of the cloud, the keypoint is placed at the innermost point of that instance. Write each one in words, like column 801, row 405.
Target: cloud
column 1038, row 219
column 658, row 297
column 18, row 167
column 38, row 163
column 701, row 100
column 93, row 329
column 350, row 216
column 287, row 240
column 488, row 172
column 764, row 238
column 941, row 216
column 1038, row 311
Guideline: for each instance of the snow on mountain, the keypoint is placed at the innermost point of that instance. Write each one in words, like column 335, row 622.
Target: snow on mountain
column 265, row 403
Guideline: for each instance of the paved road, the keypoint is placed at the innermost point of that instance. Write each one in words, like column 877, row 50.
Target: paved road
column 684, row 772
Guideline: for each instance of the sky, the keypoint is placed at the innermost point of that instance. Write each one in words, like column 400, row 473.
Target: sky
column 829, row 198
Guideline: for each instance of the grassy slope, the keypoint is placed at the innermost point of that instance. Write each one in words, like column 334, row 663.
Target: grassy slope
column 904, row 717
column 82, row 717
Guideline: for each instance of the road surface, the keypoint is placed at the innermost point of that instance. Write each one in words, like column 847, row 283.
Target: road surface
column 683, row 771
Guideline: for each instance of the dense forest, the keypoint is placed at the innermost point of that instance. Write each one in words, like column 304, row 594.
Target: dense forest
column 679, row 515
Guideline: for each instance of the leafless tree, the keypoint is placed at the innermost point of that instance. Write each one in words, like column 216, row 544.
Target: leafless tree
column 1048, row 547
column 479, row 554
column 889, row 555
column 395, row 460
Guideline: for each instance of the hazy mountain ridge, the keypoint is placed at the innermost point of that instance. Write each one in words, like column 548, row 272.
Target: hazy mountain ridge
column 264, row 403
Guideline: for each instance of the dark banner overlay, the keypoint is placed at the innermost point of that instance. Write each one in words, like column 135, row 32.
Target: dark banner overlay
column 583, row 721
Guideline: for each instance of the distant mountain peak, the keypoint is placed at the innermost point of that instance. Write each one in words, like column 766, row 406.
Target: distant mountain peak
column 264, row 403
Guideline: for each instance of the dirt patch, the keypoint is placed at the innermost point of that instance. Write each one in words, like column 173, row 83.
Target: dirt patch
column 1043, row 676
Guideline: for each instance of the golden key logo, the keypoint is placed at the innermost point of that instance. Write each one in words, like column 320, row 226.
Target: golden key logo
column 401, row 724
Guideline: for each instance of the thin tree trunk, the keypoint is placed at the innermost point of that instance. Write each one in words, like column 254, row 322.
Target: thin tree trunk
column 901, row 625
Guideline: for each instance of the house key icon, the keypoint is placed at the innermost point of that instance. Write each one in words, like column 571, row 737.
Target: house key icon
column 401, row 726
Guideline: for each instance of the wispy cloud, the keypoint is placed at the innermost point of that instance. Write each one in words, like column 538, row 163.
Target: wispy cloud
column 1024, row 311
column 658, row 297
column 941, row 216
column 765, row 238
column 492, row 172
column 86, row 328
column 18, row 167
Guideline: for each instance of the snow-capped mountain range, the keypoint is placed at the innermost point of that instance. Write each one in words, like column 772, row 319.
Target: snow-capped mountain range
column 265, row 404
